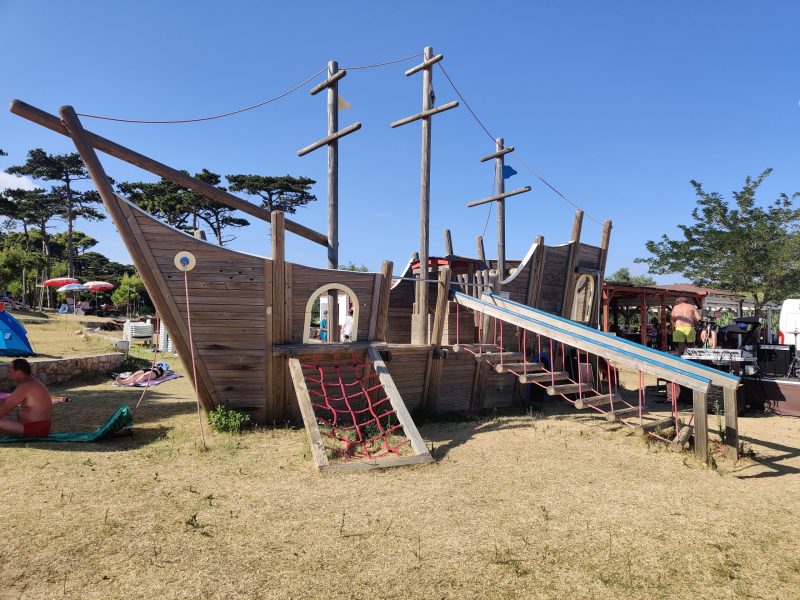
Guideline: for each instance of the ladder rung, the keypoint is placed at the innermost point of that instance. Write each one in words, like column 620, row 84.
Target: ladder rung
column 518, row 367
column 499, row 355
column 683, row 436
column 622, row 413
column 543, row 376
column 588, row 402
column 664, row 423
column 568, row 388
column 475, row 347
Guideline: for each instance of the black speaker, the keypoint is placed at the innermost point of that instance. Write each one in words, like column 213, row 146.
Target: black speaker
column 775, row 359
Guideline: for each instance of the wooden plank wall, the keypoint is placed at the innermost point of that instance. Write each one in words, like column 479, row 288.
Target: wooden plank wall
column 551, row 293
column 499, row 390
column 589, row 257
column 401, row 302
column 455, row 383
column 407, row 369
column 227, row 307
column 306, row 280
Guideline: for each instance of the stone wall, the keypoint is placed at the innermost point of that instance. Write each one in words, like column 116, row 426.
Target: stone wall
column 60, row 370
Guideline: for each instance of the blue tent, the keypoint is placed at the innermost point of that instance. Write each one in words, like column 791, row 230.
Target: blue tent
column 13, row 337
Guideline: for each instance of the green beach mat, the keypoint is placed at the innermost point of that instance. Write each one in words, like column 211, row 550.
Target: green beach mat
column 116, row 423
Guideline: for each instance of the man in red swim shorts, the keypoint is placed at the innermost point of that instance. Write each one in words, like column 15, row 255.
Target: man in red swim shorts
column 35, row 405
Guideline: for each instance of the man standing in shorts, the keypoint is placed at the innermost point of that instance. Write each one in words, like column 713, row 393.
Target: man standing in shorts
column 684, row 318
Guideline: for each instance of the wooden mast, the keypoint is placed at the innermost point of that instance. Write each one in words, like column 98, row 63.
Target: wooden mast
column 420, row 334
column 499, row 196
column 332, row 142
column 500, row 188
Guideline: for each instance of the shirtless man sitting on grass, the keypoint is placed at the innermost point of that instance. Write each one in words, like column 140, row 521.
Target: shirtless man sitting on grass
column 35, row 405
column 684, row 318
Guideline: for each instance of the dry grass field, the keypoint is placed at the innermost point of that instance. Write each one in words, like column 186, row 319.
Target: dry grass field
column 554, row 504
column 54, row 336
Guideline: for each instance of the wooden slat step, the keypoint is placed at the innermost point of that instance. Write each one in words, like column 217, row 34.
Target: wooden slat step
column 568, row 388
column 543, row 376
column 518, row 367
column 597, row 401
column 506, row 356
column 475, row 348
column 622, row 413
column 683, row 436
column 652, row 426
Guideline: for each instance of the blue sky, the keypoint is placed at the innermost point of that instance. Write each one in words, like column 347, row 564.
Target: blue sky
column 618, row 104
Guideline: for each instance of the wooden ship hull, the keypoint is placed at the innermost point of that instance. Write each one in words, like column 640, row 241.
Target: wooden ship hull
column 234, row 305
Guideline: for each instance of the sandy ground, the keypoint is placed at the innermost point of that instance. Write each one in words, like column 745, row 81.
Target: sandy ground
column 551, row 504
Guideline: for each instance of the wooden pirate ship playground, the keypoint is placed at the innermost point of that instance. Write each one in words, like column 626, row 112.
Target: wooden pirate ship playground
column 448, row 334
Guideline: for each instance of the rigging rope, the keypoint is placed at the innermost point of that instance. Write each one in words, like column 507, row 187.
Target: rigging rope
column 194, row 366
column 383, row 64
column 212, row 117
column 246, row 108
column 525, row 164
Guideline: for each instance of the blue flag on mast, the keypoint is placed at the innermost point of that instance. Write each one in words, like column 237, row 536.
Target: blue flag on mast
column 508, row 172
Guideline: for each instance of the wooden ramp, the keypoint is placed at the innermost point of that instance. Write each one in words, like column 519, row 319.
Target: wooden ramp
column 616, row 351
column 353, row 414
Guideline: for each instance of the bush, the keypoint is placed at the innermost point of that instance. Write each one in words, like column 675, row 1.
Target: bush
column 226, row 420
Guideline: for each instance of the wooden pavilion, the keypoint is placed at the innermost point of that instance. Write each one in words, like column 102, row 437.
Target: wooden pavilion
column 627, row 300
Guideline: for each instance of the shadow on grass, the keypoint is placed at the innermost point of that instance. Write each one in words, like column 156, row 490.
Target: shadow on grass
column 538, row 406
column 772, row 464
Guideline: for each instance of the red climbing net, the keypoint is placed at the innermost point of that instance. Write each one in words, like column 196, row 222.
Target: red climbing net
column 353, row 411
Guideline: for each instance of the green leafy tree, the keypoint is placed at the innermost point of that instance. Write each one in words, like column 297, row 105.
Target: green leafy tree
column 217, row 216
column 164, row 200
column 737, row 246
column 351, row 266
column 66, row 169
column 129, row 292
column 33, row 210
column 183, row 208
column 623, row 275
column 285, row 193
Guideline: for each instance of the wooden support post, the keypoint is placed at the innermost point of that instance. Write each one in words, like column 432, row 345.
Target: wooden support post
column 441, row 306
column 731, row 424
column 318, row 455
column 435, row 358
column 604, row 242
column 481, row 250
column 332, row 142
column 333, row 200
column 269, row 362
column 700, row 426
column 279, row 330
column 448, row 243
column 425, row 200
column 663, row 325
column 643, row 319
column 381, row 328
column 102, row 144
column 428, row 60
column 500, row 187
column 535, row 281
column 572, row 262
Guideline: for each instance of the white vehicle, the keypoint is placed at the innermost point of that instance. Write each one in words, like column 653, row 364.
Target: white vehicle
column 789, row 324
